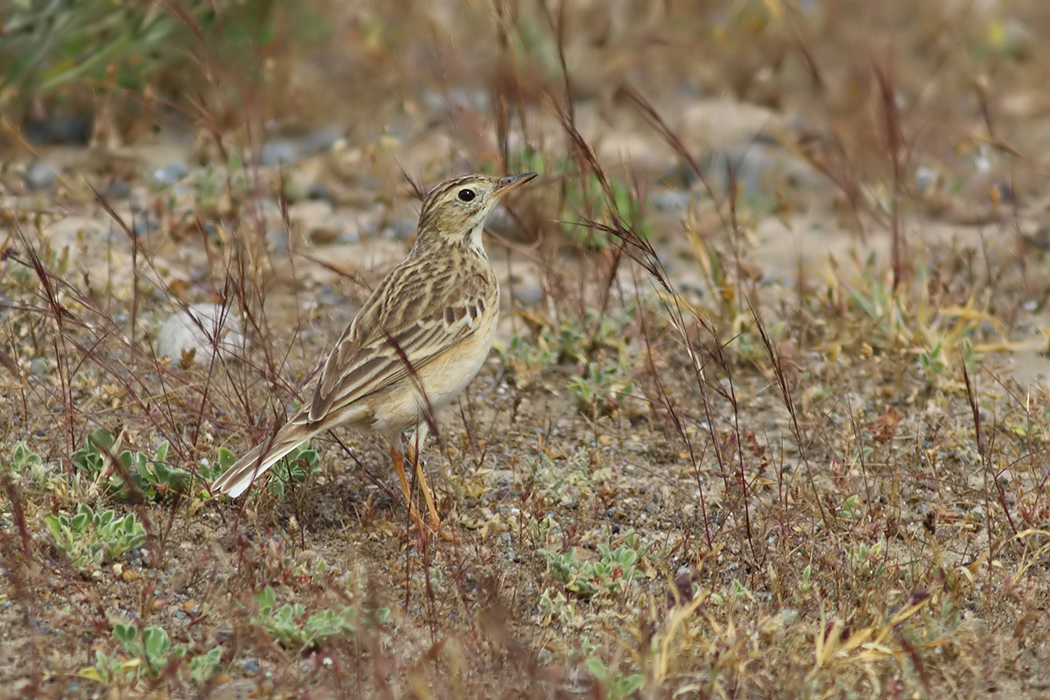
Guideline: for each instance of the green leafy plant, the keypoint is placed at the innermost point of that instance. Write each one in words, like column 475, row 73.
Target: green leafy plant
column 598, row 390
column 209, row 471
column 23, row 458
column 147, row 654
column 610, row 574
column 154, row 477
column 590, row 200
column 560, row 481
column 616, row 686
column 290, row 625
column 293, row 469
column 585, row 198
column 595, row 340
column 557, row 608
column 577, row 341
column 153, row 646
column 525, row 361
column 93, row 44
column 28, row 465
column 90, row 539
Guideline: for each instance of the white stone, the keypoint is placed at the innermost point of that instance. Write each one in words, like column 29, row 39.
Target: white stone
column 201, row 329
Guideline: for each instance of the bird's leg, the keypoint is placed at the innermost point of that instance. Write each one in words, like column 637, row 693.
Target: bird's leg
column 414, row 447
column 398, row 458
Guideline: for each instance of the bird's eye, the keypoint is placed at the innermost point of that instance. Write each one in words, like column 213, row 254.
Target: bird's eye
column 466, row 195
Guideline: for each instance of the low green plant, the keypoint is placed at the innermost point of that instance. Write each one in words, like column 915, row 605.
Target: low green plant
column 30, row 467
column 805, row 586
column 152, row 476
column 100, row 46
column 293, row 469
column 577, row 341
column 116, row 672
column 91, row 539
column 290, row 625
column 620, row 205
column 616, row 686
column 868, row 560
column 209, row 471
column 524, row 360
column 586, row 199
column 147, row 654
column 598, row 390
column 933, row 360
column 595, row 342
column 555, row 608
column 23, row 458
column 57, row 262
column 610, row 574
column 563, row 481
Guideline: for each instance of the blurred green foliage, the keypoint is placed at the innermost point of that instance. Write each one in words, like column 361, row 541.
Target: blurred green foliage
column 76, row 48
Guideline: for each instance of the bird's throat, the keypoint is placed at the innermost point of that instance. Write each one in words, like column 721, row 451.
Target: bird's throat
column 475, row 242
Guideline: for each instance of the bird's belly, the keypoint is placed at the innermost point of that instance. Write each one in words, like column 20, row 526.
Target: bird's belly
column 443, row 378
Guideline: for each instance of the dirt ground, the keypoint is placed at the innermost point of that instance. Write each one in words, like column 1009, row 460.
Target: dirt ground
column 766, row 417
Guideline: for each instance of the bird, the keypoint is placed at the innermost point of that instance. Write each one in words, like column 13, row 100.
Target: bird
column 418, row 340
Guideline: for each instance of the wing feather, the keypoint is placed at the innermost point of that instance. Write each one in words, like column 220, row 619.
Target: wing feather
column 385, row 343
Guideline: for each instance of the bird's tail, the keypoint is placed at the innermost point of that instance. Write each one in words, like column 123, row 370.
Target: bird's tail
column 258, row 460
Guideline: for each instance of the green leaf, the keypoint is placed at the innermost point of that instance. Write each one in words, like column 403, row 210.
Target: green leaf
column 24, row 457
column 205, row 666
column 627, row 686
column 265, row 601
column 55, row 526
column 102, row 440
column 80, row 522
column 127, row 635
column 597, row 668
column 226, row 457
column 156, row 643
column 104, row 519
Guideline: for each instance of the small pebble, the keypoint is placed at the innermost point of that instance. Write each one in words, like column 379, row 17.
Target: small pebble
column 59, row 129
column 279, row 152
column 40, row 176
column 197, row 331
column 528, row 295
column 349, row 237
column 171, row 173
column 400, row 229
column 278, row 239
column 318, row 191
column 670, row 200
column 145, row 224
column 118, row 189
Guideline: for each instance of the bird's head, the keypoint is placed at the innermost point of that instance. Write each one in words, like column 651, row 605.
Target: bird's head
column 454, row 212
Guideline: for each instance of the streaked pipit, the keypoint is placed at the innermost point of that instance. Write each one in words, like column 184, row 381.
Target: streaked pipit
column 416, row 343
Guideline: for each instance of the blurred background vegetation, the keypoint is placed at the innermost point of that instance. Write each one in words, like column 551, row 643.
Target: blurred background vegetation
column 234, row 60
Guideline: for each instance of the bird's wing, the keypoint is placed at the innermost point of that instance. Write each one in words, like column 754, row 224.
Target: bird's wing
column 410, row 319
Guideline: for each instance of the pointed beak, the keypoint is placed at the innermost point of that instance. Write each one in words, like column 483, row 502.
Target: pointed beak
column 512, row 182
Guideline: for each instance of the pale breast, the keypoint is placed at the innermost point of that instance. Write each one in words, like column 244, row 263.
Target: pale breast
column 443, row 379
